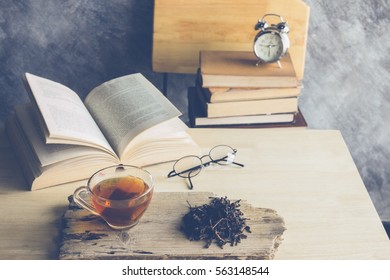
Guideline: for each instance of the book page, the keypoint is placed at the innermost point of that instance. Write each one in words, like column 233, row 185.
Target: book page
column 48, row 154
column 166, row 130
column 126, row 106
column 66, row 118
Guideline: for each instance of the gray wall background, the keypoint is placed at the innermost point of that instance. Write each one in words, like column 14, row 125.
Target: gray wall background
column 82, row 43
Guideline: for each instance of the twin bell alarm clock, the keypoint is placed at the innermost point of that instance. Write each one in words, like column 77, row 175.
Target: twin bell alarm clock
column 272, row 42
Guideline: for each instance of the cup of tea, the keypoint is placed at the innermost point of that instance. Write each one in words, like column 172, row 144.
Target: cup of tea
column 118, row 194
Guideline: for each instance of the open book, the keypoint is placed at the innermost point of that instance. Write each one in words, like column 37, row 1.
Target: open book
column 59, row 139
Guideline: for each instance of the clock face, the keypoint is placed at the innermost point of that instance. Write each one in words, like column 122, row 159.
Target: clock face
column 268, row 47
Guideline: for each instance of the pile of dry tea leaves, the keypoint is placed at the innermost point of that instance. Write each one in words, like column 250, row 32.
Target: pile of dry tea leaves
column 220, row 220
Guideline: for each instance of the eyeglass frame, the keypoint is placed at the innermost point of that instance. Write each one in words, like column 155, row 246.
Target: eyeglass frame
column 202, row 165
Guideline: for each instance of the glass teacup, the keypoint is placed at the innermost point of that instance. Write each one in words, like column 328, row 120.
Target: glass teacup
column 119, row 194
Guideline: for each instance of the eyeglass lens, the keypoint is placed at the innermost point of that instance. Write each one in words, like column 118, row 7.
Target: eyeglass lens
column 222, row 154
column 188, row 166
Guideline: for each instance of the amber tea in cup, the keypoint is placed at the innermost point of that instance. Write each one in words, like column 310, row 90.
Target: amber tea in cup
column 119, row 194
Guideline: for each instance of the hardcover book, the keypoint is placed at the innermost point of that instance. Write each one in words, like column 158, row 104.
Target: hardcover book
column 238, row 69
column 220, row 94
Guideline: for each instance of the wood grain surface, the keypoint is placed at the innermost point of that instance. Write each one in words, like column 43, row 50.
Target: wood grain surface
column 307, row 176
column 183, row 28
column 158, row 234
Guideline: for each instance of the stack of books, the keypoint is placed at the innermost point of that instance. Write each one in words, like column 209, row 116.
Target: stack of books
column 231, row 91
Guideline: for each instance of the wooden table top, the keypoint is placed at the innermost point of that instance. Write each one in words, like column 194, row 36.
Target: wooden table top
column 307, row 176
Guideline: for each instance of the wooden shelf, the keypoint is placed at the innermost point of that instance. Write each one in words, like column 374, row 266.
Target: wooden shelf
column 183, row 28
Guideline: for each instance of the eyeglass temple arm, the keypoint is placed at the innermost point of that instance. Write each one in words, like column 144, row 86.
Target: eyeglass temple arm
column 189, row 179
column 239, row 164
column 233, row 162
column 173, row 172
column 221, row 159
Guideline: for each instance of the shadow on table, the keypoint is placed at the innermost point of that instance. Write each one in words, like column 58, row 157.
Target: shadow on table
column 386, row 225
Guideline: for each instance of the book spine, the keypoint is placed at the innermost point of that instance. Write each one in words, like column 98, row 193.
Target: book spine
column 256, row 107
column 251, row 94
column 211, row 80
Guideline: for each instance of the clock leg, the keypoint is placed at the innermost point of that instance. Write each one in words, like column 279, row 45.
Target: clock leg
column 279, row 64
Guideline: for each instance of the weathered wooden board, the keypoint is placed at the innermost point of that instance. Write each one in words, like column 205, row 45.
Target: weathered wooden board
column 158, row 235
column 182, row 28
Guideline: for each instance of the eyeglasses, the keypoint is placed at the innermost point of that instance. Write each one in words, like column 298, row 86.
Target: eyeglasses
column 190, row 166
